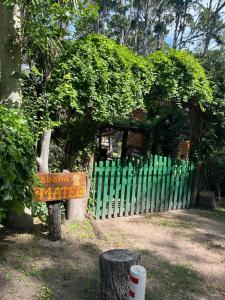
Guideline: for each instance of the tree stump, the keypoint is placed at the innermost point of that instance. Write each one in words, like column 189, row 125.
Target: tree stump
column 114, row 268
column 55, row 231
column 23, row 221
column 206, row 199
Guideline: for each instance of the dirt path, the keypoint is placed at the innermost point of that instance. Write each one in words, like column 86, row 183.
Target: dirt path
column 180, row 238
column 183, row 251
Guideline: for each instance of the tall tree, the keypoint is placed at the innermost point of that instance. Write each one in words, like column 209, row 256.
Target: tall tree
column 182, row 19
column 10, row 53
column 207, row 28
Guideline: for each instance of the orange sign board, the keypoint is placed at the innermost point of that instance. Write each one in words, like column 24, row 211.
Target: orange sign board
column 60, row 186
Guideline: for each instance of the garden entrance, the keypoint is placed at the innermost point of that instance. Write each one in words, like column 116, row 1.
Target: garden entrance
column 142, row 185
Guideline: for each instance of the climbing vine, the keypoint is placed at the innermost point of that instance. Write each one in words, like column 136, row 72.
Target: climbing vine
column 180, row 78
column 100, row 80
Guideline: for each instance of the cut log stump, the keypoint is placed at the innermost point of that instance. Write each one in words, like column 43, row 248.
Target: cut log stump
column 206, row 199
column 114, row 268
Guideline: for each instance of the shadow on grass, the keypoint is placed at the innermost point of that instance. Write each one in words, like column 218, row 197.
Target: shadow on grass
column 217, row 214
column 33, row 268
column 70, row 270
column 170, row 281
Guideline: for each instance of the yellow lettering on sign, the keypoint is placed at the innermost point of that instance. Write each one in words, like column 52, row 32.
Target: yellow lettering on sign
column 48, row 193
column 60, row 186
column 39, row 193
column 42, row 180
column 65, row 192
column 57, row 193
column 72, row 192
column 80, row 192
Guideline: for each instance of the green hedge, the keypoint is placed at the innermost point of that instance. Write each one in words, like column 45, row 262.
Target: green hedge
column 17, row 161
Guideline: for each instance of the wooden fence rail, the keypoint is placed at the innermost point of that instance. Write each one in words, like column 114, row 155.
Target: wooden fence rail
column 142, row 185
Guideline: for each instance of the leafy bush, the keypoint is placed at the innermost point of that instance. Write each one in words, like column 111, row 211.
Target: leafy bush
column 38, row 110
column 213, row 172
column 17, row 161
column 100, row 80
column 180, row 78
column 169, row 129
column 40, row 210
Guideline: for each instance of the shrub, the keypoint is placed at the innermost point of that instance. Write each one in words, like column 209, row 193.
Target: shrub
column 99, row 80
column 17, row 161
column 180, row 79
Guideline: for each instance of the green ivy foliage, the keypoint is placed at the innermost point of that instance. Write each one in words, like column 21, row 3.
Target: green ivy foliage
column 213, row 135
column 180, row 79
column 39, row 111
column 99, row 79
column 17, row 161
column 169, row 129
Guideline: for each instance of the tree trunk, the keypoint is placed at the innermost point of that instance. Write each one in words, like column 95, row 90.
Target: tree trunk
column 114, row 268
column 122, row 29
column 175, row 35
column 10, row 69
column 91, row 166
column 195, row 127
column 146, row 28
column 55, row 232
column 77, row 208
column 10, row 54
column 124, row 145
column 42, row 160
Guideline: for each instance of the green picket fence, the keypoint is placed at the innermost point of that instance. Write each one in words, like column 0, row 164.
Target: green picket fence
column 142, row 185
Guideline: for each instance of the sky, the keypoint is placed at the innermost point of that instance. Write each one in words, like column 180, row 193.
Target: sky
column 169, row 38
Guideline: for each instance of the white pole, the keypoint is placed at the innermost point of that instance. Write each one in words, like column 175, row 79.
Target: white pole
column 137, row 283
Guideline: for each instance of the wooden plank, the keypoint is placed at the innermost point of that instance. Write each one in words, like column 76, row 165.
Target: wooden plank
column 168, row 205
column 134, row 184
column 105, row 189
column 158, row 185
column 123, row 187
column 93, row 187
column 177, row 183
column 149, row 184
column 181, row 185
column 99, row 173
column 144, row 187
column 154, row 183
column 112, row 188
column 172, row 183
column 163, row 185
column 128, row 191
column 185, row 181
column 118, row 187
column 60, row 186
column 139, row 186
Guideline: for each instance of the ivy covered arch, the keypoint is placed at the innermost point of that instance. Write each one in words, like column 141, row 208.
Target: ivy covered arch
column 180, row 82
column 97, row 81
column 180, row 78
column 100, row 80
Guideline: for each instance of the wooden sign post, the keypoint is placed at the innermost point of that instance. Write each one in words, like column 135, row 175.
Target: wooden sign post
column 60, row 186
column 54, row 187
